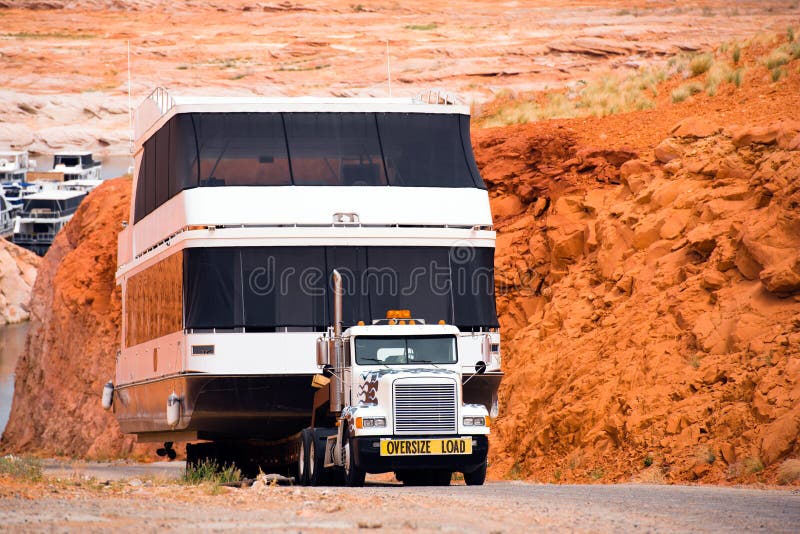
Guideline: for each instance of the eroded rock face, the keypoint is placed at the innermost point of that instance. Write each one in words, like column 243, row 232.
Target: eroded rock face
column 17, row 276
column 658, row 318
column 71, row 346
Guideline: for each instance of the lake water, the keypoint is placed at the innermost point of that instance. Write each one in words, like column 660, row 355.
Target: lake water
column 12, row 342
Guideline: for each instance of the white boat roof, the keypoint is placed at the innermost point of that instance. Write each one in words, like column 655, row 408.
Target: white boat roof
column 55, row 194
column 161, row 105
column 74, row 153
column 13, row 152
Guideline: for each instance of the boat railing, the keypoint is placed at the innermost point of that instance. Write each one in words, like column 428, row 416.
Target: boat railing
column 438, row 96
column 38, row 237
column 40, row 213
column 162, row 99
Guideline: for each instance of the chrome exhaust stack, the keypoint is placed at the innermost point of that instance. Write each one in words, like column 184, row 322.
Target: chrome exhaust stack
column 339, row 347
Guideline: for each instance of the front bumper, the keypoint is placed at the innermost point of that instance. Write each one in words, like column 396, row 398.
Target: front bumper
column 368, row 456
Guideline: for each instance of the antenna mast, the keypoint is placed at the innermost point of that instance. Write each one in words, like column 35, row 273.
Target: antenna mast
column 130, row 108
column 388, row 68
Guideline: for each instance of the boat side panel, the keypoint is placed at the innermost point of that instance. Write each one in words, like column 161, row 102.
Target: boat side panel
column 290, row 205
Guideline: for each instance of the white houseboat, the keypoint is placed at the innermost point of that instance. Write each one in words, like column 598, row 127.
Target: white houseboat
column 7, row 214
column 243, row 208
column 14, row 166
column 42, row 216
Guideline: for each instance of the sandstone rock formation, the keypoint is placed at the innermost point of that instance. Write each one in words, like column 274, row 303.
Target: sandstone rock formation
column 73, row 340
column 17, row 275
column 652, row 328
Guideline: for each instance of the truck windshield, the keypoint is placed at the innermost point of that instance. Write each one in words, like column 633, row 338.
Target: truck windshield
column 374, row 350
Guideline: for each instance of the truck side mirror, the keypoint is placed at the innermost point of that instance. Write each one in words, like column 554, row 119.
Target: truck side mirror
column 323, row 356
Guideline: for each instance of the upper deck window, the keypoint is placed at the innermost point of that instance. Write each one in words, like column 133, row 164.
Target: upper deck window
column 304, row 149
column 334, row 149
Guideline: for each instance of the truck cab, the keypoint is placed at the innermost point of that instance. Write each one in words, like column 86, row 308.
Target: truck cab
column 390, row 399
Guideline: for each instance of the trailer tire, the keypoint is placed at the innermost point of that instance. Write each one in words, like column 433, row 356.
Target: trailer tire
column 302, row 459
column 477, row 477
column 353, row 475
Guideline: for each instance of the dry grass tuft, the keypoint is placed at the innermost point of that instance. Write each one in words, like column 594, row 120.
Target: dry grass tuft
column 609, row 94
column 685, row 91
column 789, row 471
column 21, row 467
column 700, row 64
column 652, row 475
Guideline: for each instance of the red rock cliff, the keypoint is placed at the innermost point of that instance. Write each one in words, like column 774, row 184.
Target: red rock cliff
column 71, row 347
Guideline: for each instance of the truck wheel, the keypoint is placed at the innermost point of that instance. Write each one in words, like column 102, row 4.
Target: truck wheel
column 353, row 475
column 302, row 460
column 316, row 460
column 477, row 477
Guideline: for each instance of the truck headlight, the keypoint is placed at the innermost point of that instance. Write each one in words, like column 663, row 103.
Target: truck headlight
column 370, row 422
column 476, row 421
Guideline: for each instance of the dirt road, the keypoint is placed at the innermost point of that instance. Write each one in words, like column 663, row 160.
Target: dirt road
column 154, row 502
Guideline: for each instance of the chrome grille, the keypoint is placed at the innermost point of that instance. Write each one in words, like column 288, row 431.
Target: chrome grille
column 424, row 408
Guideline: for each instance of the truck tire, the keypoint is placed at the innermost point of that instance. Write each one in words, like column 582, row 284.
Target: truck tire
column 302, row 460
column 353, row 476
column 317, row 474
column 477, row 477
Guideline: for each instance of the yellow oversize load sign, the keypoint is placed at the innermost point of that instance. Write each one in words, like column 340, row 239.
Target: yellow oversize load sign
column 416, row 447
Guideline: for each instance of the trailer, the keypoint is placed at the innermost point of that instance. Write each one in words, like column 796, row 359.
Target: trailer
column 267, row 236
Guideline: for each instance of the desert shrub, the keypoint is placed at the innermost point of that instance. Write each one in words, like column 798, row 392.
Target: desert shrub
column 705, row 455
column 210, row 471
column 422, row 27
column 685, row 91
column 648, row 460
column 776, row 74
column 597, row 473
column 736, row 77
column 700, row 64
column 20, row 467
column 794, row 50
column 789, row 471
column 790, row 34
column 718, row 74
column 736, row 55
column 777, row 58
column 652, row 475
column 752, row 465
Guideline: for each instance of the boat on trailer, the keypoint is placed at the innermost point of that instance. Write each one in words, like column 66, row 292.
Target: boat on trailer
column 242, row 209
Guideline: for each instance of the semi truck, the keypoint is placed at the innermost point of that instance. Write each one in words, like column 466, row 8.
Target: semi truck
column 308, row 287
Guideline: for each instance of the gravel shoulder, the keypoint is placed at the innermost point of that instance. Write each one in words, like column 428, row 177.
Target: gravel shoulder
column 149, row 497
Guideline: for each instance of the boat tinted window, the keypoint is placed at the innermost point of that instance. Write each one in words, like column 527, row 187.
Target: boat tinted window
column 162, row 165
column 141, row 184
column 408, row 278
column 242, row 149
column 334, row 149
column 150, row 175
column 424, row 150
column 69, row 161
column 305, row 149
column 210, row 279
column 263, row 288
column 351, row 262
column 283, row 286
